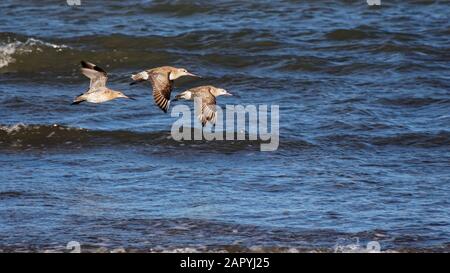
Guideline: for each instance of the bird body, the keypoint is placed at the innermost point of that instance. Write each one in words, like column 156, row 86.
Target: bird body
column 97, row 92
column 161, row 79
column 99, row 96
column 207, row 94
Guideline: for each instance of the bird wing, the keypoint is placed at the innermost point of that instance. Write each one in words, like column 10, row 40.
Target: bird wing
column 208, row 112
column 162, row 87
column 97, row 75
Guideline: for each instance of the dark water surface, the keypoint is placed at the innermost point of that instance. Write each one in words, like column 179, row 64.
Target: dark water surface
column 364, row 96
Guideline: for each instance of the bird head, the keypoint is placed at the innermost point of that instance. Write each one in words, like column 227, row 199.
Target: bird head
column 118, row 94
column 176, row 73
column 220, row 92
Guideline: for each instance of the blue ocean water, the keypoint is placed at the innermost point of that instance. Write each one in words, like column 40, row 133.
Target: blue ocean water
column 364, row 146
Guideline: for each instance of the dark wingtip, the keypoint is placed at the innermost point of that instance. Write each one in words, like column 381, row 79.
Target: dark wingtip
column 99, row 69
column 85, row 64
column 133, row 83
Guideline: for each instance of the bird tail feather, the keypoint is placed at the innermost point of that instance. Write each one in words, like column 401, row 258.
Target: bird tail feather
column 78, row 100
column 139, row 77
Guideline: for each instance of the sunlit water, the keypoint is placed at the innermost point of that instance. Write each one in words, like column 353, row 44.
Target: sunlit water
column 364, row 127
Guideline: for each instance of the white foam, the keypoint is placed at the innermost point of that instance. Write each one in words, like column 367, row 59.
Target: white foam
column 12, row 128
column 182, row 250
column 9, row 49
column 15, row 128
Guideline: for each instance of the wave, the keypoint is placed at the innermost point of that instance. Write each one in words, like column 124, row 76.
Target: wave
column 9, row 195
column 188, row 235
column 22, row 136
column 425, row 139
column 413, row 139
column 118, row 51
column 365, row 32
column 413, row 102
column 11, row 48
column 34, row 135
column 89, row 248
column 351, row 34
column 179, row 9
column 258, row 49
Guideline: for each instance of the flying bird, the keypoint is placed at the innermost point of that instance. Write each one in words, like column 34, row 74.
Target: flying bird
column 97, row 92
column 161, row 79
column 207, row 94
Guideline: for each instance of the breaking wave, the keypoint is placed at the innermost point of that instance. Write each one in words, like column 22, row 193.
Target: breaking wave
column 22, row 136
column 11, row 48
column 45, row 136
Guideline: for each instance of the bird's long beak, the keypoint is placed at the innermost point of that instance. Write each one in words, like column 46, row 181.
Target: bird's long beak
column 228, row 94
column 192, row 75
column 131, row 98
